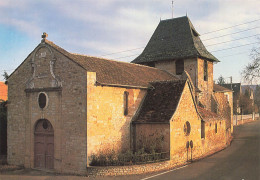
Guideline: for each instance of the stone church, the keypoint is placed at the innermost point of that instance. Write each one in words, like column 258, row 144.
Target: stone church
column 65, row 107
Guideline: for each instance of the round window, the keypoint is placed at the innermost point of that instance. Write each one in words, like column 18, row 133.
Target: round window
column 42, row 100
column 186, row 128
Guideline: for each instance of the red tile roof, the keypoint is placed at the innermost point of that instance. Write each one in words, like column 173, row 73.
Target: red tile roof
column 3, row 91
column 218, row 88
column 116, row 72
column 208, row 115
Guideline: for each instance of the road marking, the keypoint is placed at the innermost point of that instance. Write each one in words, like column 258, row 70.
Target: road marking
column 164, row 172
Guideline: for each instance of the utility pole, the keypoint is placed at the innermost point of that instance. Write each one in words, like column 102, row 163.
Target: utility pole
column 172, row 9
column 232, row 100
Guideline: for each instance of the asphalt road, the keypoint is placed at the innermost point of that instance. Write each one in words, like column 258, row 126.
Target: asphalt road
column 240, row 161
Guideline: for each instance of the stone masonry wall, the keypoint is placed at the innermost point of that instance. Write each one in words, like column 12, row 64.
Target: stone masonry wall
column 186, row 112
column 205, row 86
column 108, row 129
column 225, row 107
column 168, row 66
column 152, row 137
column 195, row 68
column 66, row 110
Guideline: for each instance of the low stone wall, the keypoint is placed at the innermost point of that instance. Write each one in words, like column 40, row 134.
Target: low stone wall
column 243, row 121
column 144, row 168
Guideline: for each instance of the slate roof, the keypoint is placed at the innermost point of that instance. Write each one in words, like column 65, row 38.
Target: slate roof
column 160, row 102
column 3, row 91
column 116, row 72
column 218, row 88
column 208, row 115
column 174, row 39
column 236, row 87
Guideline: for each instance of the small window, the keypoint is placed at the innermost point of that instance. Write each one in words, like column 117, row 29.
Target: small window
column 42, row 100
column 179, row 67
column 202, row 129
column 186, row 128
column 216, row 128
column 126, row 94
column 205, row 70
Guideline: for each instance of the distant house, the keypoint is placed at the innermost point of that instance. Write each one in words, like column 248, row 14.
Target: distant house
column 3, row 91
column 66, row 108
column 237, row 92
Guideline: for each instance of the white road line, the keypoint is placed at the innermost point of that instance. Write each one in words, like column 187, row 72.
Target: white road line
column 164, row 172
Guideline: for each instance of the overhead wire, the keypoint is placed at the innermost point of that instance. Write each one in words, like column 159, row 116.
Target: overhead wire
column 229, row 27
column 201, row 35
column 234, row 47
column 232, row 40
column 231, row 33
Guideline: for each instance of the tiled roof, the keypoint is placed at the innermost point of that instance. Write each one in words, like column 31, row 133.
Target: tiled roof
column 208, row 115
column 160, row 102
column 3, row 91
column 116, row 72
column 218, row 88
column 174, row 39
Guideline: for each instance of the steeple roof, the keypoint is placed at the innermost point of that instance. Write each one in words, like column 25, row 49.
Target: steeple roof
column 174, row 39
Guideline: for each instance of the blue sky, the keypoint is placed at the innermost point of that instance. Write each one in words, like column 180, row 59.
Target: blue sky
column 98, row 28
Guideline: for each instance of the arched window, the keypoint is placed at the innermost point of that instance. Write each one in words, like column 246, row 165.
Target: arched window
column 126, row 94
column 216, row 128
column 179, row 66
column 186, row 128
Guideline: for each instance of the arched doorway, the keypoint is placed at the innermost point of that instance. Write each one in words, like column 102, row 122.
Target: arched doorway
column 43, row 145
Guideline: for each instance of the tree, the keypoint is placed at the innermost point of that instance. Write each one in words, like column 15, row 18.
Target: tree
column 246, row 104
column 221, row 80
column 251, row 72
column 6, row 76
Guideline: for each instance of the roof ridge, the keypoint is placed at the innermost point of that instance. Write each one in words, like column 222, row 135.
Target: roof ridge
column 175, row 18
column 172, row 80
column 51, row 43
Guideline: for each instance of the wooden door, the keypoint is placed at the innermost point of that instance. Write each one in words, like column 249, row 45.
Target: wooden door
column 44, row 145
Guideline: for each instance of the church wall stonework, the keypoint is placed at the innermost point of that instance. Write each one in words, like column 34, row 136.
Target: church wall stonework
column 186, row 112
column 66, row 109
column 205, row 86
column 108, row 129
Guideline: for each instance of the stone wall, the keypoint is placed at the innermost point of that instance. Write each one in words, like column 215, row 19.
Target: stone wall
column 66, row 109
column 225, row 107
column 195, row 68
column 185, row 112
column 168, row 66
column 205, row 86
column 152, row 137
column 190, row 65
column 108, row 129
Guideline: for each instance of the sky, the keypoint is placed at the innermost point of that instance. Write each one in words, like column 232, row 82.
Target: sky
column 120, row 29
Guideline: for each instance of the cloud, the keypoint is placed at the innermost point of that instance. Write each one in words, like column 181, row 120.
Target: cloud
column 103, row 27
